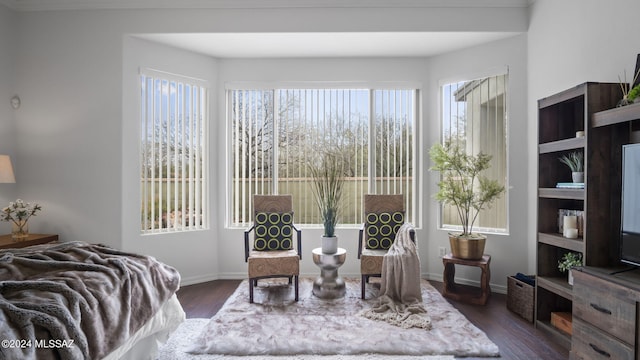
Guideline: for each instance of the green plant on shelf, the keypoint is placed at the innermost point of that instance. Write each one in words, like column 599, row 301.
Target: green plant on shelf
column 628, row 95
column 633, row 93
column 569, row 261
column 574, row 160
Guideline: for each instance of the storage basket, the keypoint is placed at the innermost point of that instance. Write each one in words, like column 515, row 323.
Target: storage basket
column 520, row 298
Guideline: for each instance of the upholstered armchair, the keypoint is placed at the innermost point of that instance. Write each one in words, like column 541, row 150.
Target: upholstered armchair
column 384, row 215
column 273, row 253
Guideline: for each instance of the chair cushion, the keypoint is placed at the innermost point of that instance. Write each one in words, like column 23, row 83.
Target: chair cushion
column 268, row 263
column 273, row 231
column 381, row 229
column 371, row 261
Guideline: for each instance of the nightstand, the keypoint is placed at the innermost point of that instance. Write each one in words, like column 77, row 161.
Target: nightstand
column 6, row 242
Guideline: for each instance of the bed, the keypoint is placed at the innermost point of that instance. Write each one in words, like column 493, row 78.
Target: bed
column 77, row 300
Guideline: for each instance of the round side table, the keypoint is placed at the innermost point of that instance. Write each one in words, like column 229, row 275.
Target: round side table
column 329, row 285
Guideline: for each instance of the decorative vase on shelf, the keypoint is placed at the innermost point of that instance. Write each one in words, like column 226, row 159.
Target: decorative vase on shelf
column 329, row 244
column 20, row 230
column 577, row 176
column 570, row 279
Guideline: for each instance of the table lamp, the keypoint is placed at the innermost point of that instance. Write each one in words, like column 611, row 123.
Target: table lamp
column 6, row 170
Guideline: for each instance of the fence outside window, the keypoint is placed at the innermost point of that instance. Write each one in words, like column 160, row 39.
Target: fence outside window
column 275, row 132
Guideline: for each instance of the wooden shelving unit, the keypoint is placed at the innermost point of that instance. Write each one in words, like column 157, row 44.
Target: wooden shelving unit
column 616, row 116
column 560, row 116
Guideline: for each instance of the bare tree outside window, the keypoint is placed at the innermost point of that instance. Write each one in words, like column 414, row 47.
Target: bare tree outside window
column 276, row 132
column 173, row 153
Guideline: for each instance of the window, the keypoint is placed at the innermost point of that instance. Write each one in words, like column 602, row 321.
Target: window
column 173, row 153
column 474, row 114
column 274, row 132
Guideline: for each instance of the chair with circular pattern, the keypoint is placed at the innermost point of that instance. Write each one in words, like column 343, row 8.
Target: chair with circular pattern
column 384, row 215
column 273, row 253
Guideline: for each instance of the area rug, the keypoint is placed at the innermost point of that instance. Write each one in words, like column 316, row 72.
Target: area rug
column 191, row 328
column 277, row 325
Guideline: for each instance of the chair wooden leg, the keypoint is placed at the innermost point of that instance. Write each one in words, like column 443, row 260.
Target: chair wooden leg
column 290, row 279
column 296, row 286
column 365, row 278
column 251, row 291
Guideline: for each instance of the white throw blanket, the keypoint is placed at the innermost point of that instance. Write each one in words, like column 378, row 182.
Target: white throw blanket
column 400, row 302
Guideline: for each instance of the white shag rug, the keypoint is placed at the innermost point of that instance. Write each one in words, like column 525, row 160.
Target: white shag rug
column 183, row 337
column 276, row 325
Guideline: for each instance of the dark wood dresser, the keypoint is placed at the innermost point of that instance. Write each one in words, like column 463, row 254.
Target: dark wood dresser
column 605, row 314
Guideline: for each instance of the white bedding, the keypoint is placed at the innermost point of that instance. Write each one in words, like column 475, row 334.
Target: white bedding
column 145, row 342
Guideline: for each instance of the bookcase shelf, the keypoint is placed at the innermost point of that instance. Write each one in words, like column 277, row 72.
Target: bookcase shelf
column 556, row 285
column 560, row 241
column 556, row 193
column 561, row 145
column 616, row 115
column 560, row 117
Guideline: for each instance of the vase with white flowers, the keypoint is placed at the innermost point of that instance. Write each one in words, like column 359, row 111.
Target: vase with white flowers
column 18, row 214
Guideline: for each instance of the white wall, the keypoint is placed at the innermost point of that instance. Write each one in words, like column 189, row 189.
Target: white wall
column 194, row 252
column 68, row 140
column 76, row 150
column 8, row 30
column 509, row 252
column 361, row 71
column 571, row 42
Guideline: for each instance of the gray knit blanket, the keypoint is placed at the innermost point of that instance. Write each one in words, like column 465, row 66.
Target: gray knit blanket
column 76, row 300
column 400, row 301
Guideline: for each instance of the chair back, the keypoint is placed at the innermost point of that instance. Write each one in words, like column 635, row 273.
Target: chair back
column 384, row 215
column 381, row 203
column 272, row 203
column 273, row 222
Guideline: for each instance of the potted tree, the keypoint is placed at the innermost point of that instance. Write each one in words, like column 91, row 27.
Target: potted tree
column 463, row 186
column 327, row 172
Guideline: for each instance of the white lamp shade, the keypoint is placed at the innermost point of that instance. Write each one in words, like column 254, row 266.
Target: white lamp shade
column 6, row 170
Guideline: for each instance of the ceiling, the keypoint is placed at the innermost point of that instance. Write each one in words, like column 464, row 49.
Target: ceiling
column 47, row 5
column 301, row 45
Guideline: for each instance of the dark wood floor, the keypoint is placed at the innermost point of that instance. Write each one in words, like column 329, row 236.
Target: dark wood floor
column 516, row 337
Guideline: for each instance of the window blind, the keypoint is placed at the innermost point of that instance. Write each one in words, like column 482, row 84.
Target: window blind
column 474, row 114
column 275, row 133
column 173, row 157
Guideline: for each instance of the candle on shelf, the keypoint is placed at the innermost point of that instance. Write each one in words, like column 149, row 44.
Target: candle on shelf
column 570, row 222
column 571, row 233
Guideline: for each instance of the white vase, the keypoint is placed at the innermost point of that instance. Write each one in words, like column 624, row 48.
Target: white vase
column 577, row 177
column 570, row 277
column 329, row 244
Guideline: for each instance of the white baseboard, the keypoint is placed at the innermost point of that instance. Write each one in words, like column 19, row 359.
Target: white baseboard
column 500, row 289
column 192, row 280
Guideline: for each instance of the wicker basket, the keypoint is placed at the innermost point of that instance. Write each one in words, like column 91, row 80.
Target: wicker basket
column 520, row 298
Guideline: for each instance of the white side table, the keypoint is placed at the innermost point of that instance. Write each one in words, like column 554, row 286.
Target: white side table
column 329, row 285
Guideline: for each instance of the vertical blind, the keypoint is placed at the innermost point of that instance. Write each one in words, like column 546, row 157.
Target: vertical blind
column 173, row 158
column 394, row 112
column 276, row 132
column 474, row 114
